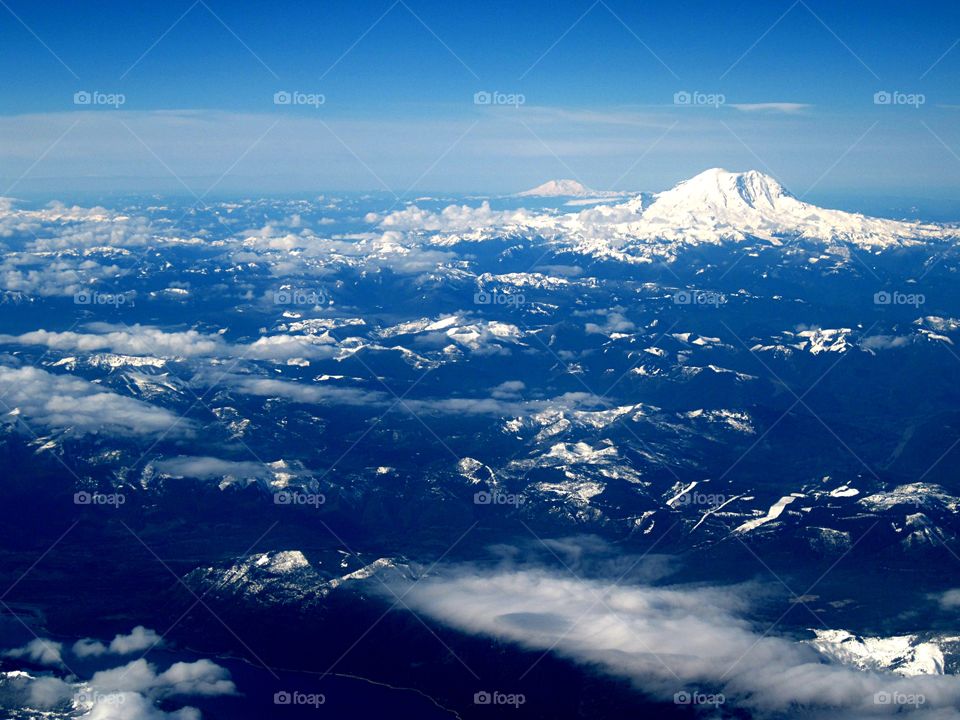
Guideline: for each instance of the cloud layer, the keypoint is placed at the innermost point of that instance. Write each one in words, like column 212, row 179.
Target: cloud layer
column 58, row 402
column 667, row 640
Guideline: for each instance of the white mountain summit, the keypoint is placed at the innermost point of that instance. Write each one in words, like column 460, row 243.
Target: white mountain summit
column 560, row 188
column 717, row 205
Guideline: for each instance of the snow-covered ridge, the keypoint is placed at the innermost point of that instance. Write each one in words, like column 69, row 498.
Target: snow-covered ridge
column 721, row 204
column 904, row 655
column 713, row 207
column 560, row 188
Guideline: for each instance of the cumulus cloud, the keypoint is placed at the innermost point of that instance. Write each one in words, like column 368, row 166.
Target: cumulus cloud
column 129, row 692
column 950, row 600
column 48, row 692
column 202, row 677
column 88, row 647
column 133, row 706
column 390, row 250
column 885, row 342
column 151, row 341
column 135, row 340
column 40, row 651
column 138, row 640
column 667, row 639
column 616, row 322
column 509, row 389
column 62, row 401
column 41, row 275
column 454, row 218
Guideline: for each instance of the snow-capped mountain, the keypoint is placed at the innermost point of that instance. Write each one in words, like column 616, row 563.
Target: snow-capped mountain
column 560, row 188
column 717, row 204
column 712, row 208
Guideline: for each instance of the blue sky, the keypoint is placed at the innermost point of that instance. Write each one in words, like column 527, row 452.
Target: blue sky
column 788, row 88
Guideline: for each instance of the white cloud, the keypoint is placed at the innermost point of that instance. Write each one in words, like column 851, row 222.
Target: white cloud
column 44, row 276
column 495, row 406
column 128, row 692
column 508, row 390
column 202, row 677
column 133, row 706
column 206, row 468
column 138, row 640
column 776, row 107
column 38, row 650
column 885, row 342
column 88, row 647
column 950, row 600
column 62, row 401
column 145, row 340
column 454, row 218
column 135, row 340
column 666, row 639
column 616, row 322
column 47, row 692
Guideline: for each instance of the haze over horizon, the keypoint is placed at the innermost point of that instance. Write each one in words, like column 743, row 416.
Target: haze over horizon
column 852, row 106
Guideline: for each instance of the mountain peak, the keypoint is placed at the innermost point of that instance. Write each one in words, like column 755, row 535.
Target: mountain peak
column 719, row 188
column 718, row 204
column 559, row 188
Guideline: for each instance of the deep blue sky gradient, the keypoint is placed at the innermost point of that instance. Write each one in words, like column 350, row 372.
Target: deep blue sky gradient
column 399, row 102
